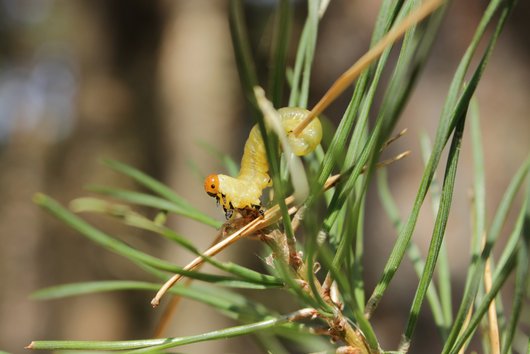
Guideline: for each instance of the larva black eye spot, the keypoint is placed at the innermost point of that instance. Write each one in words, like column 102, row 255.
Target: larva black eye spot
column 211, row 184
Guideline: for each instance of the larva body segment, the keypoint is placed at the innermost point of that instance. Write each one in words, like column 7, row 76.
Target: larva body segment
column 309, row 138
column 239, row 193
column 244, row 191
column 254, row 165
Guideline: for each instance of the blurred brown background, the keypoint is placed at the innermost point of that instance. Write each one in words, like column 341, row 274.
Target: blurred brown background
column 144, row 82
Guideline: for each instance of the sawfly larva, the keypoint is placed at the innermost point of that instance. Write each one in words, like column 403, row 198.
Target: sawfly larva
column 242, row 193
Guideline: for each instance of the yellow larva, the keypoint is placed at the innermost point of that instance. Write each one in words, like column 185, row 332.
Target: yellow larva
column 244, row 191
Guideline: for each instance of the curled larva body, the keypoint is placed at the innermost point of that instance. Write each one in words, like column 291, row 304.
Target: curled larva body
column 309, row 138
column 244, row 191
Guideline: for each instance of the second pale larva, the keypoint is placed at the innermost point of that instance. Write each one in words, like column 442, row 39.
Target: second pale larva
column 244, row 191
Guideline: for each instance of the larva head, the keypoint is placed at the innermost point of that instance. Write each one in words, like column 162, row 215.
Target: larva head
column 211, row 185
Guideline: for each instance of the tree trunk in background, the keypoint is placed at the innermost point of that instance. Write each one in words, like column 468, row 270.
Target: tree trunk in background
column 199, row 92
